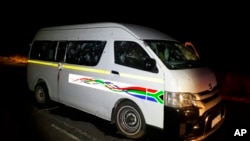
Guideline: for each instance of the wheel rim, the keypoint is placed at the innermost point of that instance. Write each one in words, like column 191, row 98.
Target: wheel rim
column 129, row 120
column 40, row 95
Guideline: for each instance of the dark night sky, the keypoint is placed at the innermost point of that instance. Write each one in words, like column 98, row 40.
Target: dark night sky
column 218, row 30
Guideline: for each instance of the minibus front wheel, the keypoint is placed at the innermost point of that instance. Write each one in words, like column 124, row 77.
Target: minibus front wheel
column 130, row 120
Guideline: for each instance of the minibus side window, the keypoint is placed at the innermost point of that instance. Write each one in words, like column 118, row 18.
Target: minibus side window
column 43, row 50
column 130, row 54
column 84, row 52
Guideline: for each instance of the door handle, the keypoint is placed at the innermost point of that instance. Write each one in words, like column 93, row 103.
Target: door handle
column 115, row 72
column 60, row 66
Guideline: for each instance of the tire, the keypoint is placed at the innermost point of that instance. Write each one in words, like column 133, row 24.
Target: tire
column 41, row 95
column 129, row 120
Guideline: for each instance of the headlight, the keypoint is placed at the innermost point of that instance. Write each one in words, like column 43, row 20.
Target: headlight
column 179, row 99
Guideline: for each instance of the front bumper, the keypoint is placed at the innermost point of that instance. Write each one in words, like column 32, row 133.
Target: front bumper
column 188, row 125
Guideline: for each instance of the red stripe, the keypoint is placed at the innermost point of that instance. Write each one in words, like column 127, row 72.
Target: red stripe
column 134, row 88
column 151, row 90
column 139, row 88
column 84, row 79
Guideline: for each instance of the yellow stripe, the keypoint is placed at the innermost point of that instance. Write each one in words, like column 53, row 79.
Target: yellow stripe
column 70, row 67
column 151, row 79
column 43, row 63
column 86, row 69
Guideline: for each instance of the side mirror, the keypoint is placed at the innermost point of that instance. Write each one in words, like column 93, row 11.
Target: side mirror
column 191, row 46
column 150, row 65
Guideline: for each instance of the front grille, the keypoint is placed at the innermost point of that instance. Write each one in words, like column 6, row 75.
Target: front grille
column 208, row 91
column 210, row 98
column 207, row 96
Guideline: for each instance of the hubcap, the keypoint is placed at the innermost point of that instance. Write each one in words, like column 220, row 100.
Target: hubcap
column 129, row 120
column 40, row 95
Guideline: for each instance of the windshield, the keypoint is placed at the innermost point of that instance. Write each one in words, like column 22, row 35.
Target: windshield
column 174, row 55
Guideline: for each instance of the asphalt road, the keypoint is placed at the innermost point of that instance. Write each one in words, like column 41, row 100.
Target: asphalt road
column 21, row 119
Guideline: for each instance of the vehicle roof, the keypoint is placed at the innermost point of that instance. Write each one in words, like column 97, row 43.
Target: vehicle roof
column 138, row 31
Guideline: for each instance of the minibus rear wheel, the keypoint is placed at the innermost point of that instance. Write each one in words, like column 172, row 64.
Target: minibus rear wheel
column 129, row 120
column 41, row 94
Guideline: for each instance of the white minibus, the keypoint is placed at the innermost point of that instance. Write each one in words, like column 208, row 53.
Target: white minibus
column 131, row 75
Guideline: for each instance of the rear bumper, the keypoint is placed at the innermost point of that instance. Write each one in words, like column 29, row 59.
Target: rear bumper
column 188, row 125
